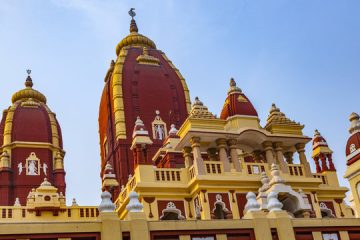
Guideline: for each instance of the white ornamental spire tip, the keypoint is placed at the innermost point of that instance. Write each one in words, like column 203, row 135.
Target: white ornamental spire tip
column 251, row 204
column 17, row 202
column 106, row 204
column 134, row 204
column 45, row 183
column 273, row 202
column 138, row 121
column 354, row 123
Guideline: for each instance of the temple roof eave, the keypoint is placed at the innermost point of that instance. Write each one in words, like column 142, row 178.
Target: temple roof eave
column 209, row 137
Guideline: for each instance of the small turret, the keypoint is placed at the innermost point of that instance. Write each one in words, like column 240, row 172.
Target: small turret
column 353, row 144
column 140, row 143
column 277, row 122
column 236, row 103
column 322, row 152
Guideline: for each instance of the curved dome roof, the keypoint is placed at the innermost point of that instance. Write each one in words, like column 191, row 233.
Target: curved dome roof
column 353, row 144
column 135, row 39
column 237, row 103
column 28, row 92
column 29, row 119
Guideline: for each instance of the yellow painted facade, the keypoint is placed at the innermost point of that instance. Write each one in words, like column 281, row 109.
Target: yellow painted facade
column 217, row 193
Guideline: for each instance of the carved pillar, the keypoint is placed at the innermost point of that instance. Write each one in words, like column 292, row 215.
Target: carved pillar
column 289, row 157
column 331, row 164
column 280, row 157
column 221, row 144
column 187, row 157
column 234, row 155
column 139, row 155
column 300, row 148
column 198, row 161
column 324, row 166
column 269, row 152
column 317, row 164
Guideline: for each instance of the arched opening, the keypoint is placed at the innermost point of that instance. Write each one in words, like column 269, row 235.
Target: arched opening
column 171, row 213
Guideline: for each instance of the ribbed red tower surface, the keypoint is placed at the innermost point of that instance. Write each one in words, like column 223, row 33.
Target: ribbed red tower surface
column 150, row 84
column 27, row 132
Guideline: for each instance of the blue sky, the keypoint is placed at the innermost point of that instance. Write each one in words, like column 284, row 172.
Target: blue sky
column 302, row 55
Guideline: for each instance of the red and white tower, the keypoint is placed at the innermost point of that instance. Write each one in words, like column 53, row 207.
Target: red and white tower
column 31, row 147
column 142, row 81
column 322, row 154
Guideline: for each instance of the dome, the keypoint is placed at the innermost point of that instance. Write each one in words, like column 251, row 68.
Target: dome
column 28, row 112
column 143, row 82
column 353, row 144
column 28, row 92
column 318, row 140
column 135, row 39
column 31, row 137
column 237, row 103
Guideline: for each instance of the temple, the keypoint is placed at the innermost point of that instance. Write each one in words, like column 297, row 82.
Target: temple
column 30, row 145
column 171, row 168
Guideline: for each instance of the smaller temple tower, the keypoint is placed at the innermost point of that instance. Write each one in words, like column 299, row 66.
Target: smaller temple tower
column 322, row 154
column 31, row 147
column 352, row 152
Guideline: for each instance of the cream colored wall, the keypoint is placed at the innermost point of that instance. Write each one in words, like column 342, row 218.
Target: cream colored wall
column 109, row 226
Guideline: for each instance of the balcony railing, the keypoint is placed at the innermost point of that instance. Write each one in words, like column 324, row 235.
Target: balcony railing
column 255, row 168
column 296, row 169
column 320, row 176
column 168, row 175
column 25, row 213
column 213, row 167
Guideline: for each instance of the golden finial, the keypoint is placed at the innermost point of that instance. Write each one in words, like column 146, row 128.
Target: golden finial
column 233, row 87
column 28, row 82
column 274, row 108
column 232, row 82
column 132, row 13
column 317, row 133
column 133, row 26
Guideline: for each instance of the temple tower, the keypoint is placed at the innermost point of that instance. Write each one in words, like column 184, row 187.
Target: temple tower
column 141, row 82
column 352, row 152
column 31, row 147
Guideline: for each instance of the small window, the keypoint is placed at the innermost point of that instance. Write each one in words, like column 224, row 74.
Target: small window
column 330, row 236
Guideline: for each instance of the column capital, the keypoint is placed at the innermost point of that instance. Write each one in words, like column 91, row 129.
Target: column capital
column 187, row 150
column 300, row 147
column 221, row 142
column 195, row 141
column 232, row 142
column 278, row 146
column 267, row 144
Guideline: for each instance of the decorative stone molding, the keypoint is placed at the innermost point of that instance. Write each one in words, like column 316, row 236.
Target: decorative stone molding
column 106, row 204
column 134, row 204
column 171, row 213
column 273, row 202
column 251, row 204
